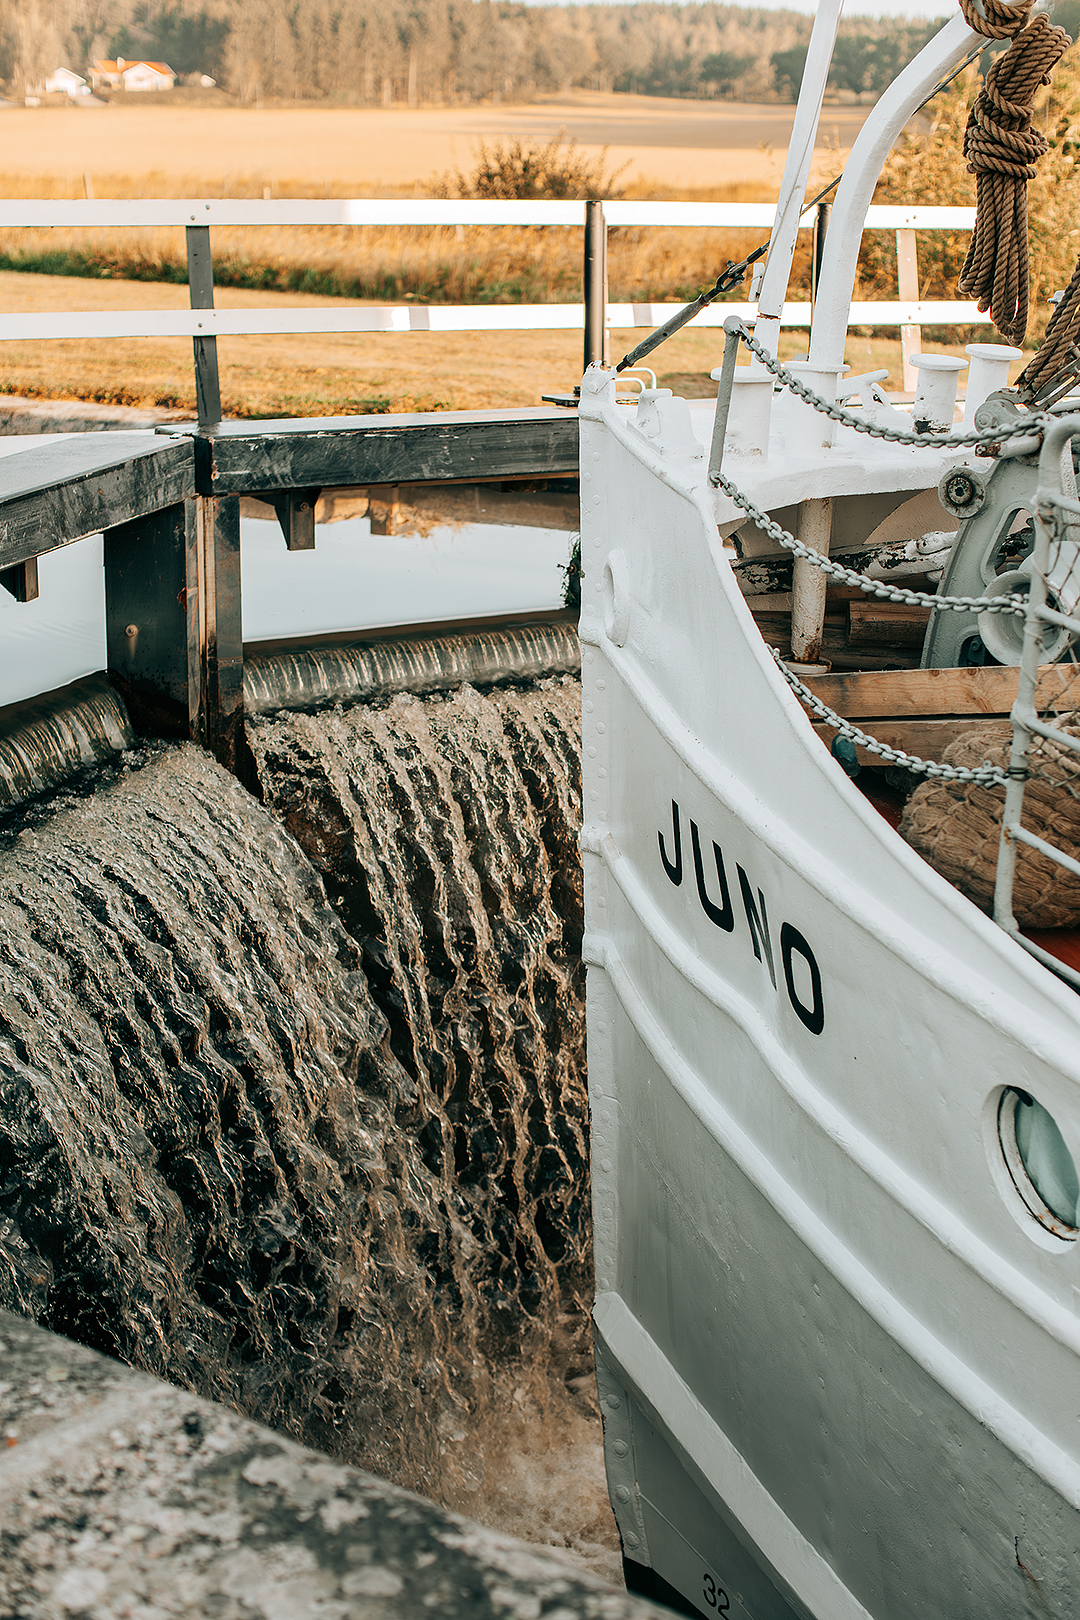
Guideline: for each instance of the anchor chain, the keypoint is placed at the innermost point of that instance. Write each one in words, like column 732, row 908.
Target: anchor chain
column 1033, row 424
column 988, row 775
column 871, row 587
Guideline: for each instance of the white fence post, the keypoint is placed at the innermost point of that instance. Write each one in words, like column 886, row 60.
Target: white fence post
column 907, row 276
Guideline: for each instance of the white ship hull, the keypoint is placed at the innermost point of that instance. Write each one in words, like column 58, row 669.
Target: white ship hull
column 839, row 1359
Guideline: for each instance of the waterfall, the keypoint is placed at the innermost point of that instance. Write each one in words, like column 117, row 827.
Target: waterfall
column 294, row 1109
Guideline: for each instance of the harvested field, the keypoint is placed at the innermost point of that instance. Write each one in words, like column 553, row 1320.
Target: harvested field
column 722, row 151
column 366, row 372
column 666, row 143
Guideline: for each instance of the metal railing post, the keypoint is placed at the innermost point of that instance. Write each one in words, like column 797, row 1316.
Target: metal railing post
column 817, row 249
column 201, row 289
column 595, row 285
column 725, row 384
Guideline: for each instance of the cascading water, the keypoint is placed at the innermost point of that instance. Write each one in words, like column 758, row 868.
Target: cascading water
column 326, row 1161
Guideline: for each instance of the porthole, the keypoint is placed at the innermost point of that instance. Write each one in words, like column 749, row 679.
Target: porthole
column 1042, row 1169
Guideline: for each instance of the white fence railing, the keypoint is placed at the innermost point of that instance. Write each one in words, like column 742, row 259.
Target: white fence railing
column 22, row 214
column 207, row 323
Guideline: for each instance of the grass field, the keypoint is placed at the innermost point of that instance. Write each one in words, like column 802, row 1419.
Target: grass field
column 713, row 151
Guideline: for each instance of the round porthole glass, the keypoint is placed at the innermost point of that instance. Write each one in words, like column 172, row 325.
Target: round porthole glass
column 1041, row 1166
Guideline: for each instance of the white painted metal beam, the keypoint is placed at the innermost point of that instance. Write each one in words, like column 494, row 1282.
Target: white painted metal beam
column 800, row 155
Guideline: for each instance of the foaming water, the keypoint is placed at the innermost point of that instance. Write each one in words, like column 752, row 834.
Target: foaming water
column 445, row 831
column 294, row 1108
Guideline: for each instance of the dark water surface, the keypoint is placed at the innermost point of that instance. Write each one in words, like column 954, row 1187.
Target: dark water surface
column 293, row 1093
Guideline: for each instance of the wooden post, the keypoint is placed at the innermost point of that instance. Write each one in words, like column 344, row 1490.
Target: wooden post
column 201, row 290
column 215, row 641
column 808, row 582
column 907, row 276
column 146, row 614
column 295, row 510
column 22, row 580
column 595, row 285
column 172, row 623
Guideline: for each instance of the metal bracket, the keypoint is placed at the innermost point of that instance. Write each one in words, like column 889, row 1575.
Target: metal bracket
column 295, row 510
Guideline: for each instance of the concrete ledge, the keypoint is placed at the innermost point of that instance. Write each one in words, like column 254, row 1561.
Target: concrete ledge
column 121, row 1496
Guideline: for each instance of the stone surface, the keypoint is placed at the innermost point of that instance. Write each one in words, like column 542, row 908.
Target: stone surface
column 20, row 415
column 121, row 1496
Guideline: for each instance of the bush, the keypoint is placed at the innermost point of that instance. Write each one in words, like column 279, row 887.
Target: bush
column 513, row 170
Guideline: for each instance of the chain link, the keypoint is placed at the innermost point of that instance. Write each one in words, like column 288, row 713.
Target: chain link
column 1035, row 422
column 871, row 587
column 987, row 775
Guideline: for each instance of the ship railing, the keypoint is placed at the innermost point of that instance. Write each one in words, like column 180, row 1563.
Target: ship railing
column 594, row 314
column 1042, row 749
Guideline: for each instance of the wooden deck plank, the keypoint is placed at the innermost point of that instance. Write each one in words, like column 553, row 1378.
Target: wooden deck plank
column 926, row 739
column 893, row 693
column 56, row 493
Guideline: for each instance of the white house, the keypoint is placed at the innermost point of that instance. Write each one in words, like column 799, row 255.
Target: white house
column 133, row 75
column 62, row 81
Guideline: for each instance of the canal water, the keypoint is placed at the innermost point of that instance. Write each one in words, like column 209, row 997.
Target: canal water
column 294, row 1096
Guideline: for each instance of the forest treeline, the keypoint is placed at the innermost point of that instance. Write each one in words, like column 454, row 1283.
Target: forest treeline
column 410, row 52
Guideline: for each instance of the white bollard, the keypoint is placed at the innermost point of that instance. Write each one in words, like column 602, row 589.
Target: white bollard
column 935, row 397
column 811, row 430
column 988, row 371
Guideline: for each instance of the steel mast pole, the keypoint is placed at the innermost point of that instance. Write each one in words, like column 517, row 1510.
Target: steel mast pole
column 800, row 156
column 595, row 285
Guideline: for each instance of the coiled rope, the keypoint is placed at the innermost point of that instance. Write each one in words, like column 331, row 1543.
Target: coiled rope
column 1002, row 149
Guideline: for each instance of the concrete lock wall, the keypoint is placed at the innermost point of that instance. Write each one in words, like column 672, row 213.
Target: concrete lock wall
column 121, row 1496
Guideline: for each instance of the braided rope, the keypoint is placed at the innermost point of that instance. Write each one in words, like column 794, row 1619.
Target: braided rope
column 988, row 775
column 1032, row 424
column 1002, row 149
column 863, row 582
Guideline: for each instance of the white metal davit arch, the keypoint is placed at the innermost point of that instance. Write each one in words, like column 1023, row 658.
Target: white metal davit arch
column 945, row 52
column 800, row 155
